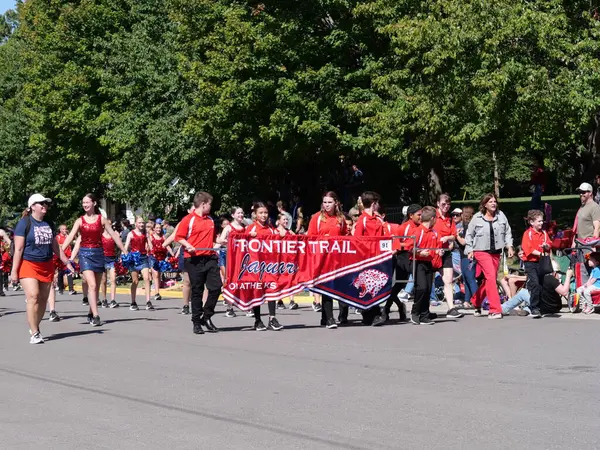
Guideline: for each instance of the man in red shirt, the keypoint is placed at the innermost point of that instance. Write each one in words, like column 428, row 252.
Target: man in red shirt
column 197, row 234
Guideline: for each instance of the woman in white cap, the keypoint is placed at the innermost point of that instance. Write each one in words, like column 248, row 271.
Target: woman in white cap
column 91, row 253
column 32, row 260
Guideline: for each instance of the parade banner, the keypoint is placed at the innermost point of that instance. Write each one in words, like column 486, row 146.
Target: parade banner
column 357, row 271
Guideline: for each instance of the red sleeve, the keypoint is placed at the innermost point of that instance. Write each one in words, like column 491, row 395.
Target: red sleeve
column 526, row 244
column 182, row 228
column 343, row 228
column 312, row 226
column 360, row 227
column 251, row 228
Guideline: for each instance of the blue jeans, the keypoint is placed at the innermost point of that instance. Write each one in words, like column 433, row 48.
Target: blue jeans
column 468, row 272
column 410, row 286
column 521, row 297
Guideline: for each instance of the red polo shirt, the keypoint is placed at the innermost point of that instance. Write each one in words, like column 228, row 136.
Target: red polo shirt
column 370, row 225
column 444, row 227
column 408, row 228
column 533, row 240
column 199, row 231
column 331, row 226
column 427, row 238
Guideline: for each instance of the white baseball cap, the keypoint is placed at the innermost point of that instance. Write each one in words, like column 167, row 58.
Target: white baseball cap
column 457, row 211
column 37, row 198
column 585, row 187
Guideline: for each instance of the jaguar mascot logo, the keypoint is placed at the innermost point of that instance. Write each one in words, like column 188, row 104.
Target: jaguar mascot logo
column 370, row 282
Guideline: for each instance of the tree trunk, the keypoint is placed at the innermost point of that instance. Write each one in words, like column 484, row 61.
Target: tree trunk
column 435, row 184
column 496, row 176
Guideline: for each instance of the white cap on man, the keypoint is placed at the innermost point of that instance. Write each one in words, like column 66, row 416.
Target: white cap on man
column 585, row 187
column 37, row 198
column 456, row 211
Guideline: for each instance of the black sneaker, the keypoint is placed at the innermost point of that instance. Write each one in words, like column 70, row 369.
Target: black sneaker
column 426, row 321
column 454, row 313
column 134, row 307
column 157, row 297
column 536, row 314
column 149, row 306
column 198, row 329
column 293, row 305
column 230, row 313
column 85, row 301
column 522, row 312
column 90, row 318
column 280, row 305
column 380, row 320
column 331, row 324
column 98, row 302
column 477, row 312
column 433, row 316
column 259, row 326
column 317, row 307
column 415, row 319
column 274, row 324
column 113, row 304
column 105, row 303
column 209, row 325
column 96, row 321
column 185, row 310
column 54, row 317
column 342, row 321
column 73, row 292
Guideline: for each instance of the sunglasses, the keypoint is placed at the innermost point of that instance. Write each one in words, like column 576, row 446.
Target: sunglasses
column 46, row 204
column 355, row 215
column 456, row 215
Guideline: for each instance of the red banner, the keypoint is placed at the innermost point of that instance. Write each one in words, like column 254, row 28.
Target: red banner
column 272, row 268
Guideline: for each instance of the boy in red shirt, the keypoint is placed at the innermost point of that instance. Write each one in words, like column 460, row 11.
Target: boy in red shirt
column 426, row 241
column 370, row 223
column 197, row 230
column 534, row 244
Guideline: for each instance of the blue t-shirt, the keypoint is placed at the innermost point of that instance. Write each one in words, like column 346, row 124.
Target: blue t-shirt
column 38, row 243
column 596, row 274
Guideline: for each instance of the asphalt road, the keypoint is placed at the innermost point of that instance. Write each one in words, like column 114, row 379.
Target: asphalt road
column 143, row 380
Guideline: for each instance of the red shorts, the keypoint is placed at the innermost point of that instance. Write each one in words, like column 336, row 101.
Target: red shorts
column 41, row 271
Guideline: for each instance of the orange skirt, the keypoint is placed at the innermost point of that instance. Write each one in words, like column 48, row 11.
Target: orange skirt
column 41, row 271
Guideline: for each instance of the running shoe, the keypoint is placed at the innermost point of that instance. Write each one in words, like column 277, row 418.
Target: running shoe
column 73, row 292
column 433, row 316
column 293, row 305
column 16, row 287
column 149, row 306
column 96, row 321
column 185, row 310
column 522, row 312
column 259, row 326
column 60, row 292
column 134, row 307
column 40, row 333
column 85, row 301
column 113, row 304
column 380, row 320
column 426, row 321
column 230, row 313
column 331, row 324
column 54, row 317
column 274, row 324
column 415, row 319
column 157, row 297
column 105, row 303
column 494, row 316
column 403, row 295
column 535, row 314
column 90, row 318
column 98, row 303
column 477, row 312
column 454, row 313
column 250, row 313
column 280, row 305
column 356, row 311
column 198, row 329
column 36, row 338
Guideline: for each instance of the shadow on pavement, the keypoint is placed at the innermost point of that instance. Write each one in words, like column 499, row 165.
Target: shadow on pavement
column 57, row 336
column 148, row 319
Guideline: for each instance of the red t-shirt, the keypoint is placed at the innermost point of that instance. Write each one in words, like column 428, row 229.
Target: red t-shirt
column 370, row 225
column 444, row 227
column 138, row 242
column 408, row 228
column 109, row 247
column 199, row 231
column 533, row 240
column 331, row 226
column 261, row 230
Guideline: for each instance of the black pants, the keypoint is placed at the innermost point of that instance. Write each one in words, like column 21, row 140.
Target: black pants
column 344, row 309
column 402, row 270
column 203, row 270
column 326, row 308
column 423, row 282
column 61, row 282
column 534, row 284
column 256, row 310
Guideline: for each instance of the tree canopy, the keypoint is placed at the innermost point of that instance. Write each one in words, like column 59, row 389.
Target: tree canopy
column 146, row 101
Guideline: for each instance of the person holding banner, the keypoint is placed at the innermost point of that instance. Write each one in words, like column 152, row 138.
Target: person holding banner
column 329, row 221
column 197, row 233
column 370, row 223
column 283, row 228
column 261, row 227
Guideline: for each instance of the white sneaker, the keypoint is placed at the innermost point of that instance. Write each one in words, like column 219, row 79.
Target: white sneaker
column 40, row 333
column 36, row 338
column 250, row 313
column 494, row 316
column 403, row 296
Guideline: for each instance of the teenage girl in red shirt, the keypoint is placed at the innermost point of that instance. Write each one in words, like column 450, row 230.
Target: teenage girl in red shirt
column 90, row 226
column 137, row 241
column 329, row 221
column 261, row 227
column 282, row 228
column 110, row 257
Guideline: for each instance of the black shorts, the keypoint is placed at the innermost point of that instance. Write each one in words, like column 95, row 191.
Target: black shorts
column 447, row 260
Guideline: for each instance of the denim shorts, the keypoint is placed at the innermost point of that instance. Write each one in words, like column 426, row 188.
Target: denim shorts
column 144, row 264
column 109, row 262
column 91, row 259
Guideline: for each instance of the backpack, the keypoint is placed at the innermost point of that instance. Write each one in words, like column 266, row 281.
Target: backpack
column 27, row 229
